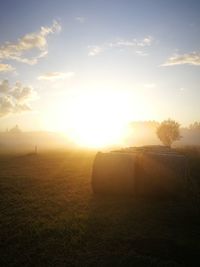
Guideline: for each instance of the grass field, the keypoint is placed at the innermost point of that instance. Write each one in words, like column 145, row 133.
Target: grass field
column 50, row 217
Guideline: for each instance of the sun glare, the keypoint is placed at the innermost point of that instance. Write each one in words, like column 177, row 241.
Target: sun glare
column 93, row 118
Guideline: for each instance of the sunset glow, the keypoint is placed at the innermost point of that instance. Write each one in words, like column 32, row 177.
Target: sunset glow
column 88, row 68
column 93, row 119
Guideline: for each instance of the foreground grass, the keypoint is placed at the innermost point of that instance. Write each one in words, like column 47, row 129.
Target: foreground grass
column 49, row 217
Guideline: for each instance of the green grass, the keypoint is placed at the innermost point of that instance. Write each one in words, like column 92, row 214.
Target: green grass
column 50, row 217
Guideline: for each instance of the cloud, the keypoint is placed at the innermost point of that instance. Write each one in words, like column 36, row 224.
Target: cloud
column 80, row 19
column 31, row 42
column 121, row 44
column 95, row 50
column 192, row 58
column 147, row 41
column 53, row 76
column 6, row 68
column 141, row 53
column 15, row 99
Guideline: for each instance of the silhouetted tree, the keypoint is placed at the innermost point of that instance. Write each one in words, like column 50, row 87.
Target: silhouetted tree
column 168, row 132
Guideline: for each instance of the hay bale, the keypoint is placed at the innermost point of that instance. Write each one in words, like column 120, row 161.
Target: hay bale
column 161, row 174
column 114, row 173
column 156, row 173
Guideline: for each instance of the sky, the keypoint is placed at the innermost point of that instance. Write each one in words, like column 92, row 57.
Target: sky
column 68, row 64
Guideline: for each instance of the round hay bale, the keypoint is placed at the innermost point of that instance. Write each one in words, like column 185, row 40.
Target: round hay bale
column 114, row 173
column 161, row 174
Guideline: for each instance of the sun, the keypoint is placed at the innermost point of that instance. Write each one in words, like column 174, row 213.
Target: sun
column 93, row 118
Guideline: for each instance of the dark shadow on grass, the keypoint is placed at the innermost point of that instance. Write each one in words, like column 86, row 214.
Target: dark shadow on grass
column 128, row 231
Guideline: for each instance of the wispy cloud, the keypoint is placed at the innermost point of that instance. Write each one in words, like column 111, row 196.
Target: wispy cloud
column 147, row 41
column 192, row 58
column 15, row 99
column 80, row 19
column 141, row 53
column 54, row 76
column 95, row 50
column 6, row 68
column 31, row 42
column 136, row 44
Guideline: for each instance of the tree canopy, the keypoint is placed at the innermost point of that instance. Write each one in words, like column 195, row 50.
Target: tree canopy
column 168, row 132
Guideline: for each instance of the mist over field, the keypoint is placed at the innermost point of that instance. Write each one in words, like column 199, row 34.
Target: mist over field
column 139, row 134
column 27, row 141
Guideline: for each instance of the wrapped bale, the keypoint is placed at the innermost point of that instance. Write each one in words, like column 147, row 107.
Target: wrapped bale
column 161, row 174
column 114, row 173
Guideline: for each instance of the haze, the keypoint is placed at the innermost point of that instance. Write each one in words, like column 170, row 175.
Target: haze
column 88, row 68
